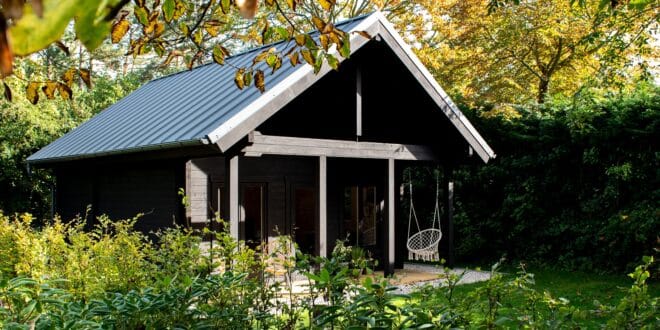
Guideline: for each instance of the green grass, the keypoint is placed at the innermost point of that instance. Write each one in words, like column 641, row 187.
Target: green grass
column 580, row 288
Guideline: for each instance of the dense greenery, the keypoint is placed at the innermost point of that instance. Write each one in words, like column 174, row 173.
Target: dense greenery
column 25, row 128
column 112, row 277
column 574, row 184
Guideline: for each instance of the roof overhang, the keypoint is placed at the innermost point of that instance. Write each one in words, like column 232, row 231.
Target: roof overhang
column 274, row 99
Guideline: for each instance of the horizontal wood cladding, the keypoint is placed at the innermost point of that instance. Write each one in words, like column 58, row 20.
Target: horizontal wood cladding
column 122, row 192
column 278, row 173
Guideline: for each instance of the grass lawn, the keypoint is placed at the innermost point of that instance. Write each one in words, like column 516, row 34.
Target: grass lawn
column 580, row 288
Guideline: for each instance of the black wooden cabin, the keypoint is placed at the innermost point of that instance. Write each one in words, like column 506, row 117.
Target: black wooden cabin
column 317, row 156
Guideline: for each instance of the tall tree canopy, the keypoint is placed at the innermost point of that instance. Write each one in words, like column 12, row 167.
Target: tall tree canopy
column 521, row 52
column 487, row 51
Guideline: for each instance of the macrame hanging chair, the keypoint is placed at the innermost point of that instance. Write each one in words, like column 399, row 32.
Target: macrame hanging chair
column 423, row 245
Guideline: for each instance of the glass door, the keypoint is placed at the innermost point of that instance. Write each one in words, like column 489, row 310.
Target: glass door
column 360, row 215
column 253, row 213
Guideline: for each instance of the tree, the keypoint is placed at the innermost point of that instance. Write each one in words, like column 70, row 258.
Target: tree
column 526, row 51
column 187, row 31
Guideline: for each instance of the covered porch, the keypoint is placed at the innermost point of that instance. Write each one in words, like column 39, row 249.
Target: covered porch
column 316, row 191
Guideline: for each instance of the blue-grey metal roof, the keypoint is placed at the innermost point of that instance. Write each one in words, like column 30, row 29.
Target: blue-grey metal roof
column 175, row 110
column 204, row 106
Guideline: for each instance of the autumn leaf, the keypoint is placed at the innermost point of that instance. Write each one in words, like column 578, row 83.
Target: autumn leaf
column 218, row 55
column 325, row 41
column 238, row 78
column 318, row 23
column 247, row 8
column 294, row 58
column 300, row 39
column 86, row 77
column 327, row 4
column 198, row 37
column 364, row 34
column 49, row 89
column 65, row 91
column 168, row 10
column 142, row 15
column 225, row 5
column 119, row 29
column 212, row 28
column 8, row 96
column 13, row 8
column 260, row 81
column 32, row 92
column 63, row 47
column 6, row 54
column 292, row 4
column 247, row 78
column 307, row 56
column 68, row 76
column 333, row 62
column 260, row 57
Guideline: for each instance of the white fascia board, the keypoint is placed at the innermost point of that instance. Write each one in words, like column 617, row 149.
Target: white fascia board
column 456, row 117
column 246, row 120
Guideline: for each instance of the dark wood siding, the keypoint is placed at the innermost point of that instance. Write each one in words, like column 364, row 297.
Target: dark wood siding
column 278, row 173
column 122, row 191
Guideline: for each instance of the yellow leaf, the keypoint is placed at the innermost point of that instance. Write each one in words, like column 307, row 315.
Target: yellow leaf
column 218, row 55
column 68, row 76
column 327, row 4
column 86, row 77
column 65, row 91
column 212, row 30
column 300, row 39
column 32, row 92
column 49, row 89
column 238, row 78
column 119, row 29
column 318, row 23
column 307, row 55
column 325, row 41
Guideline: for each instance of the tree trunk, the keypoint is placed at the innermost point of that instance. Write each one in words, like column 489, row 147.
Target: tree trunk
column 543, row 90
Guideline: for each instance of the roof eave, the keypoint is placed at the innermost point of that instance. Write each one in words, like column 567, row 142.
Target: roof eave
column 154, row 147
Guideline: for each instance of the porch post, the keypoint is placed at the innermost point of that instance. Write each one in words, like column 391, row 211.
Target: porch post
column 322, row 238
column 231, row 169
column 448, row 188
column 389, row 267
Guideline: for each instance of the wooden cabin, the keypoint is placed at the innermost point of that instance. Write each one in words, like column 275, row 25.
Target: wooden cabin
column 317, row 156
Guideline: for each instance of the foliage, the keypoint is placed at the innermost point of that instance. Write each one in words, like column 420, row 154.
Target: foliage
column 574, row 184
column 524, row 52
column 24, row 129
column 170, row 283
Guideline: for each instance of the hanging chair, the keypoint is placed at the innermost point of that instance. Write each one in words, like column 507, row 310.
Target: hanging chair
column 423, row 245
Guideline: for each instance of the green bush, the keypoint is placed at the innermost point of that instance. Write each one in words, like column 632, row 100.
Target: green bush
column 112, row 277
column 573, row 185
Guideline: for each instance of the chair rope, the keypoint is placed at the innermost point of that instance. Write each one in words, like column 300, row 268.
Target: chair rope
column 423, row 245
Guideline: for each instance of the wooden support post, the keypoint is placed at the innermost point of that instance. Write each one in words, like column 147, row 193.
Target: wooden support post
column 232, row 182
column 391, row 197
column 358, row 103
column 448, row 188
column 323, row 207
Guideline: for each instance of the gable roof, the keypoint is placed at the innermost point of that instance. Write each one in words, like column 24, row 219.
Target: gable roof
column 203, row 106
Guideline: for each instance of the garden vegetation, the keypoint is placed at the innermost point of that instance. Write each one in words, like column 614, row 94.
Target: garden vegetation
column 60, row 276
